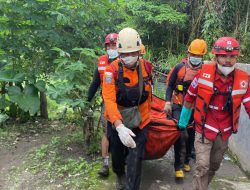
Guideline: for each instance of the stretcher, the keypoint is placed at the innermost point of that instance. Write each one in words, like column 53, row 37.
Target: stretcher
column 162, row 131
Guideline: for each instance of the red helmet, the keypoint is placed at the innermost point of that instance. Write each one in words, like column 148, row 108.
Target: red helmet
column 226, row 46
column 111, row 38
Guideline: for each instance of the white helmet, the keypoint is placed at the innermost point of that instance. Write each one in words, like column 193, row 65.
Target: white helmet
column 128, row 41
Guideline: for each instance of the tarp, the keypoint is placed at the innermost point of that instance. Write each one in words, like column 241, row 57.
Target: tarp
column 162, row 132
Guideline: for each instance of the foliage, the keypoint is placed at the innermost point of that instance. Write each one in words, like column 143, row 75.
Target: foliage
column 52, row 46
column 72, row 76
column 30, row 29
column 153, row 19
column 212, row 28
column 166, row 60
column 244, row 48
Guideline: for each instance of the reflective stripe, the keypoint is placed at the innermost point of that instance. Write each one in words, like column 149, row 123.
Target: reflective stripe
column 101, row 68
column 227, row 129
column 205, row 82
column 190, row 93
column 216, row 107
column 211, row 128
column 213, row 107
column 237, row 92
column 246, row 100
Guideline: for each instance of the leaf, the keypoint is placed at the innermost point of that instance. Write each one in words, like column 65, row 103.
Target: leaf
column 27, row 100
column 10, row 76
column 4, row 102
column 41, row 85
column 86, row 51
column 3, row 117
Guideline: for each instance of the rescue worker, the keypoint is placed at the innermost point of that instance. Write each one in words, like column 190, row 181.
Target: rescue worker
column 142, row 51
column 103, row 61
column 127, row 97
column 218, row 89
column 178, row 81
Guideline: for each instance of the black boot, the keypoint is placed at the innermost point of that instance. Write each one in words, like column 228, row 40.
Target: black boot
column 104, row 172
column 121, row 182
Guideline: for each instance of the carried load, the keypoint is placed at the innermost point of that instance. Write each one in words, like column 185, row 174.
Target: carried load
column 162, row 131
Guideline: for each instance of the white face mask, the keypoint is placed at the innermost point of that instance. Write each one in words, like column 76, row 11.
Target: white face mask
column 195, row 60
column 225, row 70
column 130, row 61
column 112, row 53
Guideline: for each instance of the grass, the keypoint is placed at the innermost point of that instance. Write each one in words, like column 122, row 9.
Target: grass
column 63, row 161
column 55, row 160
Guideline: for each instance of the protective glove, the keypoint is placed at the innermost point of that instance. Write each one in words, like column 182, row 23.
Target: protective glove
column 184, row 118
column 125, row 136
column 168, row 108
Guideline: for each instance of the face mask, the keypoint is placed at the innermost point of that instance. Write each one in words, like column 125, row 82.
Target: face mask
column 195, row 60
column 225, row 70
column 130, row 61
column 112, row 53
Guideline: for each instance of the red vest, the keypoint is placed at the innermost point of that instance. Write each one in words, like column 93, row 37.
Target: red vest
column 206, row 90
column 103, row 61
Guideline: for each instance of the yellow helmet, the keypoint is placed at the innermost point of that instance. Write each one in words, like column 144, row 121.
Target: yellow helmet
column 198, row 47
column 142, row 49
column 128, row 41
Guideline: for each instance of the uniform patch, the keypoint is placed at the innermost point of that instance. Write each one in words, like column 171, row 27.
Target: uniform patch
column 102, row 62
column 243, row 84
column 206, row 75
column 194, row 83
column 108, row 77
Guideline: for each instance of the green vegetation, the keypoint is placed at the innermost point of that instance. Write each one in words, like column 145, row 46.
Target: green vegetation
column 49, row 49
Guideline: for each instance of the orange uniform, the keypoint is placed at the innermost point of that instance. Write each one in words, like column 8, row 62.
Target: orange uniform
column 103, row 61
column 110, row 90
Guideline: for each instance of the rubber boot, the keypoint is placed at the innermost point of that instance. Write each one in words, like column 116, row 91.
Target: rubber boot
column 104, row 172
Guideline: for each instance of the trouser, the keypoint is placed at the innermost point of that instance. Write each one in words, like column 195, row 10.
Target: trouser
column 132, row 157
column 209, row 156
column 185, row 143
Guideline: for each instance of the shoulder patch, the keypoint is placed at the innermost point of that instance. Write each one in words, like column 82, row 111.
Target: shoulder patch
column 243, row 84
column 194, row 83
column 108, row 77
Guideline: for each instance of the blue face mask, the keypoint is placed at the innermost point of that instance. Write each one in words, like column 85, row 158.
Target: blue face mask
column 195, row 61
column 112, row 53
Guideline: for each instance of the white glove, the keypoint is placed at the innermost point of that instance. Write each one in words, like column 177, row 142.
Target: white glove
column 168, row 108
column 125, row 136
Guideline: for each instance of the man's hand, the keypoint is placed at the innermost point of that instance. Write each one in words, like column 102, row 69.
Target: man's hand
column 168, row 108
column 125, row 136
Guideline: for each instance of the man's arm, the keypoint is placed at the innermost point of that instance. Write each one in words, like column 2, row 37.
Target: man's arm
column 188, row 104
column 95, row 84
column 171, row 81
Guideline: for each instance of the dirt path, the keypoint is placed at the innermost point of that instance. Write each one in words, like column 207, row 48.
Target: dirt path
column 14, row 155
column 157, row 174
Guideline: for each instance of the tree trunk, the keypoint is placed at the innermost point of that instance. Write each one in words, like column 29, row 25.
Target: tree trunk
column 177, row 38
column 246, row 25
column 196, row 23
column 43, row 105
